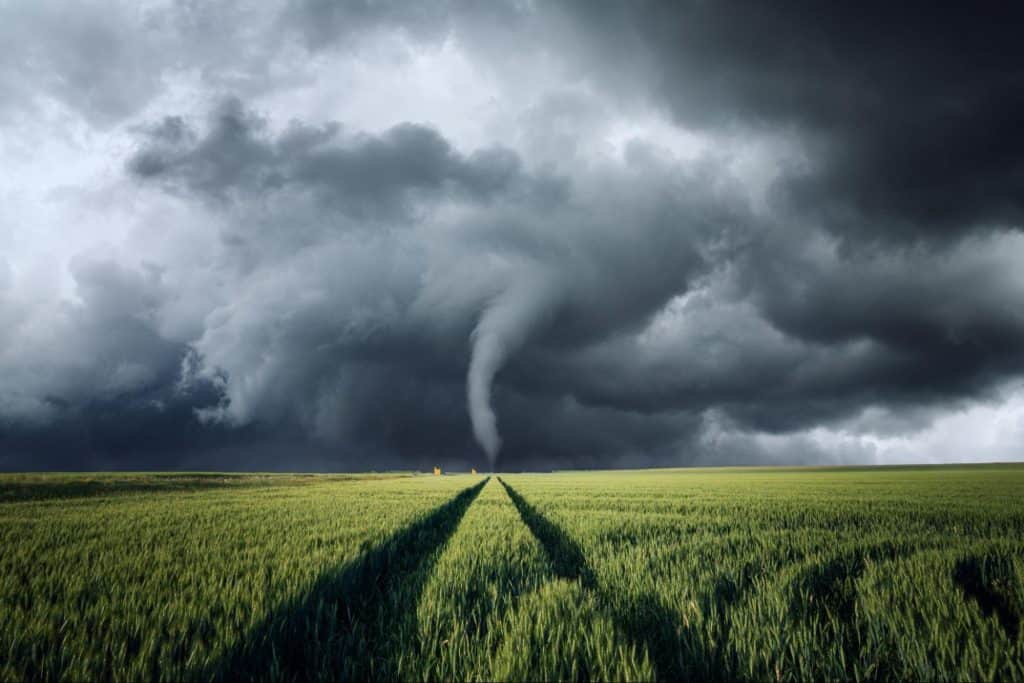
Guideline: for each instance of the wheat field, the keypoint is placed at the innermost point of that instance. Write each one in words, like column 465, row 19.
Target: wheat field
column 713, row 574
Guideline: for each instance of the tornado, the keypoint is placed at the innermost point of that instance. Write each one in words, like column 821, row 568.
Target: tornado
column 503, row 328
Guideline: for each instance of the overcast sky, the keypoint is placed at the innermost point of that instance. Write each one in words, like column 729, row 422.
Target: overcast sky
column 373, row 234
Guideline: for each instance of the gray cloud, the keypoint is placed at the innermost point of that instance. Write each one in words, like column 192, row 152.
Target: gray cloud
column 908, row 113
column 816, row 249
column 527, row 259
column 364, row 176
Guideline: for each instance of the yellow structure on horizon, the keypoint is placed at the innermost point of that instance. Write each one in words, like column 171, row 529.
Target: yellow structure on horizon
column 472, row 470
column 437, row 471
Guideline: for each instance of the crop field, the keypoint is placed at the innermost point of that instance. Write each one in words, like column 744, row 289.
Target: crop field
column 715, row 574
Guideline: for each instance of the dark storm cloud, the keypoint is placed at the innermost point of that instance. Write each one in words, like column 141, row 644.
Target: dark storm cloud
column 945, row 323
column 909, row 113
column 104, row 391
column 593, row 308
column 364, row 176
column 782, row 343
column 794, row 335
column 148, row 428
column 380, row 177
column 117, row 348
column 907, row 118
column 529, row 260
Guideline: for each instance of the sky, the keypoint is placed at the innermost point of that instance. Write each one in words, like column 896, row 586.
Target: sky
column 314, row 235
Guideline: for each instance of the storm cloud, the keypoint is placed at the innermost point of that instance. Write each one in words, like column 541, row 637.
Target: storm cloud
column 515, row 235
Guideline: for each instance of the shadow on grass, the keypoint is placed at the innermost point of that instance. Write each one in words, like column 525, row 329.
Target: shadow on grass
column 565, row 555
column 675, row 652
column 356, row 621
column 986, row 580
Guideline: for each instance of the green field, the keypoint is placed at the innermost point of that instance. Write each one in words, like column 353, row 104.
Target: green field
column 722, row 574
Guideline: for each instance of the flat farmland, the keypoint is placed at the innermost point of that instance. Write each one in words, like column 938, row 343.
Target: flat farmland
column 896, row 573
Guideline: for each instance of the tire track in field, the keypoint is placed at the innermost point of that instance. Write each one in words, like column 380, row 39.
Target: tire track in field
column 649, row 625
column 565, row 554
column 354, row 619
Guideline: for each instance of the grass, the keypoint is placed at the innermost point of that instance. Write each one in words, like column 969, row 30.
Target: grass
column 753, row 574
column 38, row 486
